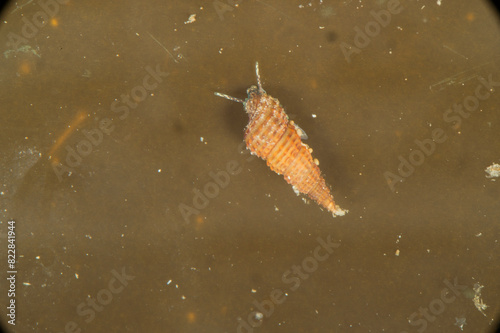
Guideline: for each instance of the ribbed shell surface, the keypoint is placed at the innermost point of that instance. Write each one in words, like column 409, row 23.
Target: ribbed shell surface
column 272, row 137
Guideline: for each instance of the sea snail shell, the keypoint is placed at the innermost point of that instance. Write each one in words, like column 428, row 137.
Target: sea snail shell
column 271, row 136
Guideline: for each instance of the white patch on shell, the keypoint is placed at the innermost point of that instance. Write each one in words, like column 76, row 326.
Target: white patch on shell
column 295, row 190
column 300, row 131
column 493, row 171
column 339, row 211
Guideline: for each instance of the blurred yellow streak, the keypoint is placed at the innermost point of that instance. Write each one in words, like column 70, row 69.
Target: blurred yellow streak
column 25, row 67
column 191, row 317
column 80, row 117
column 470, row 17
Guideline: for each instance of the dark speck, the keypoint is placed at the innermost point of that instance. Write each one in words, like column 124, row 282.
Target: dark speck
column 331, row 36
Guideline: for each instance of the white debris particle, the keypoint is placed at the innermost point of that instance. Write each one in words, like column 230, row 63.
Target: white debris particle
column 183, row 297
column 460, row 322
column 276, row 208
column 259, row 315
column 159, row 170
column 438, row 2
column 397, row 253
column 479, row 234
column 191, row 19
column 478, row 302
column 313, row 115
column 76, row 276
column 26, row 283
column 169, row 282
column 220, row 50
column 201, row 139
column 493, row 171
column 254, row 290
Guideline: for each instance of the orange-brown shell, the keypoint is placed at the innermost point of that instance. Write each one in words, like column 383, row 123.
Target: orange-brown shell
column 272, row 137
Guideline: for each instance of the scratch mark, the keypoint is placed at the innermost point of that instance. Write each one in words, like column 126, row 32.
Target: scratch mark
column 279, row 11
column 453, row 80
column 458, row 78
column 170, row 54
column 452, row 50
column 21, row 7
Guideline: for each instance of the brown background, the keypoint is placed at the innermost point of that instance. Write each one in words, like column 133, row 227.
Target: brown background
column 117, row 211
